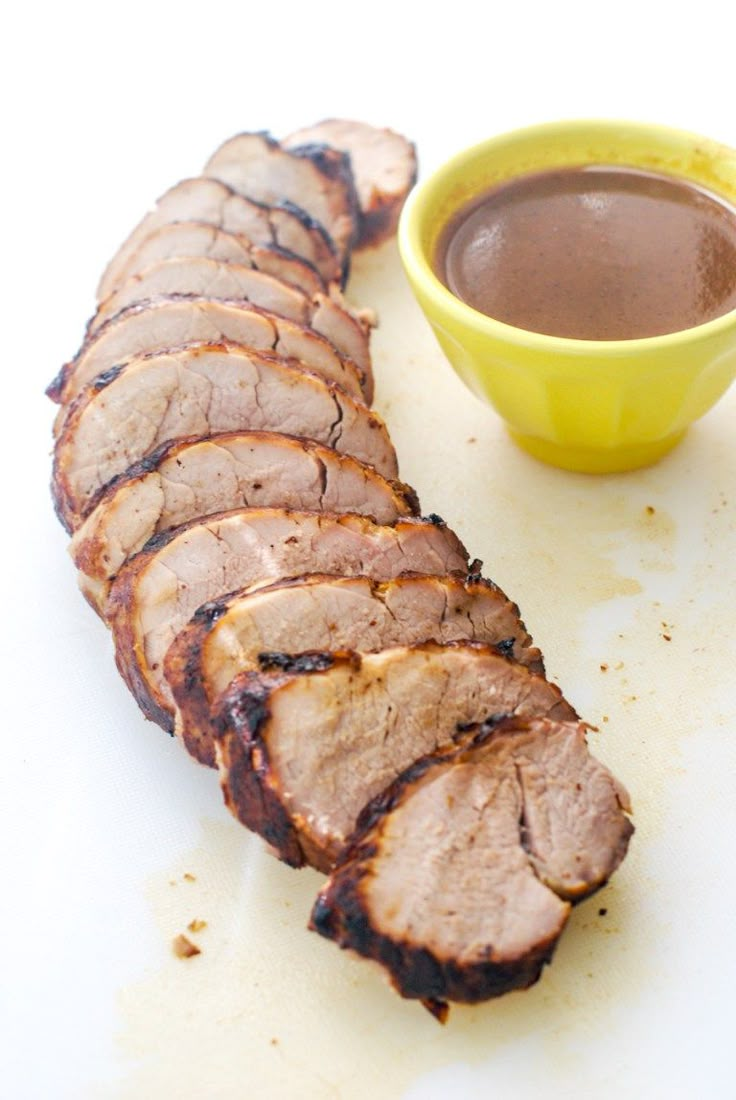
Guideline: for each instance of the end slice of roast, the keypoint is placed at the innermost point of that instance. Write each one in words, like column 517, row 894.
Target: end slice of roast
column 315, row 177
column 158, row 591
column 212, row 201
column 226, row 637
column 194, row 238
column 303, row 748
column 384, row 166
column 190, row 479
column 174, row 320
column 326, row 314
column 199, row 390
column 459, row 877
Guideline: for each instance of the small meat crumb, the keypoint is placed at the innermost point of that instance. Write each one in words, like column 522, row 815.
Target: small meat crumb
column 602, row 912
column 650, row 510
column 196, row 925
column 184, row 948
column 188, row 877
column 667, row 637
column 604, row 668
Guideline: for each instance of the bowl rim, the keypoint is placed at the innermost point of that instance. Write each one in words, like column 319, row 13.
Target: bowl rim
column 420, row 270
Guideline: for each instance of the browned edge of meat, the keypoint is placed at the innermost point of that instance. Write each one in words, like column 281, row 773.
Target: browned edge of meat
column 384, row 165
column 243, row 722
column 186, row 663
column 198, row 238
column 336, row 543
column 287, row 226
column 317, row 178
column 206, row 319
column 247, row 786
column 343, row 911
column 346, row 423
column 133, row 508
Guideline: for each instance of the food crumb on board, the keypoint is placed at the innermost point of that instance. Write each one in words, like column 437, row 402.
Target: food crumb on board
column 196, row 925
column 184, row 948
column 604, row 668
column 602, row 912
column 650, row 509
column 274, row 1042
column 189, row 877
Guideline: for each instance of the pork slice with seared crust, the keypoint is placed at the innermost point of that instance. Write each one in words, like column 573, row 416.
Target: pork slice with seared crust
column 175, row 320
column 302, row 748
column 212, row 201
column 199, row 390
column 182, row 481
column 157, row 592
column 193, row 238
column 227, row 636
column 315, row 177
column 459, row 877
column 326, row 314
column 384, row 166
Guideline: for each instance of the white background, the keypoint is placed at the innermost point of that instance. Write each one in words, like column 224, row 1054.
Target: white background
column 104, row 107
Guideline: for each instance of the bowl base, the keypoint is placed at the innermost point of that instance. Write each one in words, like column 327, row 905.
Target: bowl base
column 596, row 460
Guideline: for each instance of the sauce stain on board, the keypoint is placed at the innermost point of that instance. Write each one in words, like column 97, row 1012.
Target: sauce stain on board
column 269, row 1008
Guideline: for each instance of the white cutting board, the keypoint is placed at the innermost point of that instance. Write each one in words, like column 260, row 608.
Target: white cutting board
column 114, row 841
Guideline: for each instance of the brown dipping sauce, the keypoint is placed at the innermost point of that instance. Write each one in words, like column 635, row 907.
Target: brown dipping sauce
column 594, row 253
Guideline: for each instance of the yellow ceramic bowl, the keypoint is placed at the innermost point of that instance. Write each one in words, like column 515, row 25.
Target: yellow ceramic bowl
column 595, row 406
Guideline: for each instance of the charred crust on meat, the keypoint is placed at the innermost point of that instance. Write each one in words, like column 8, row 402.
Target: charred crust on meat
column 55, row 387
column 107, row 376
column 436, row 520
column 242, row 714
column 158, row 541
column 506, row 647
column 246, row 706
column 475, row 573
column 209, row 613
column 415, row 972
column 296, row 662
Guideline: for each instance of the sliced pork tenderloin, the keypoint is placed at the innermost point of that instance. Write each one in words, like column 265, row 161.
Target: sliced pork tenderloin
column 384, row 166
column 326, row 314
column 212, row 201
column 315, row 177
column 459, row 877
column 227, row 636
column 199, row 390
column 170, row 322
column 184, row 480
column 156, row 593
column 193, row 238
column 302, row 747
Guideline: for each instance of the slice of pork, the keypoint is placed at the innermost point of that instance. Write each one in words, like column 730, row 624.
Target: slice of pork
column 198, row 390
column 384, row 167
column 194, row 238
column 185, row 480
column 459, row 878
column 304, row 747
column 226, row 637
column 212, row 201
column 170, row 322
column 315, row 177
column 205, row 278
column 158, row 591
